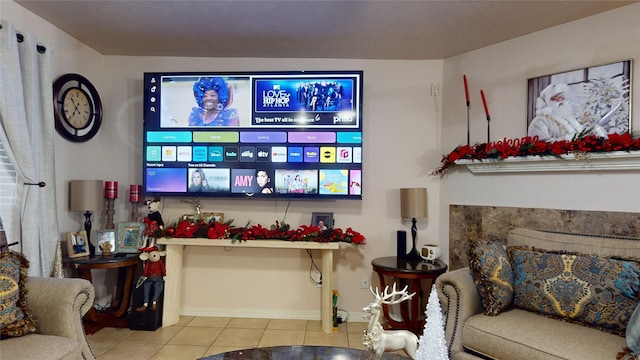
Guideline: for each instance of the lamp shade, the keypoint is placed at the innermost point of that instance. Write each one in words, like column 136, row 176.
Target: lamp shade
column 86, row 195
column 413, row 203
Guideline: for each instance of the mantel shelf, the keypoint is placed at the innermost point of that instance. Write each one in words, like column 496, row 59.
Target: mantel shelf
column 611, row 161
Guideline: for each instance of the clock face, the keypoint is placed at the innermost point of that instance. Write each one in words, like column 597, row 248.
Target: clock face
column 77, row 108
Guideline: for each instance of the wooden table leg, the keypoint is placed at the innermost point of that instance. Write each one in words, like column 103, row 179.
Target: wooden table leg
column 123, row 292
column 117, row 300
column 414, row 322
column 172, row 285
column 326, row 293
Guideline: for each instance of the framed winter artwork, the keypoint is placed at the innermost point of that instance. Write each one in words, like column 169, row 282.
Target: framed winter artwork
column 130, row 237
column 589, row 101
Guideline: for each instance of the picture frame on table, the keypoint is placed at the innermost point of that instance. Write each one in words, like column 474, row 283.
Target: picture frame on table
column 105, row 236
column 77, row 244
column 208, row 217
column 322, row 219
column 130, row 237
column 205, row 217
column 594, row 100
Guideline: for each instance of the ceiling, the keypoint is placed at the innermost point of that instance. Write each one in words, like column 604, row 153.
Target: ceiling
column 364, row 29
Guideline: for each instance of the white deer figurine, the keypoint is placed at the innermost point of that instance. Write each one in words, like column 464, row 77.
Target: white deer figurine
column 377, row 340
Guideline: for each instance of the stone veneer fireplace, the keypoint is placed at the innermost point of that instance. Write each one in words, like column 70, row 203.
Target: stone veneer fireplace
column 471, row 223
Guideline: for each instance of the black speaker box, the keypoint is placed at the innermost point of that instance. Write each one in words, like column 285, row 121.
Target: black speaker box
column 402, row 244
column 150, row 319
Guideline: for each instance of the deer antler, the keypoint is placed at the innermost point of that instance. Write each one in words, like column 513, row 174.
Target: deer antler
column 391, row 298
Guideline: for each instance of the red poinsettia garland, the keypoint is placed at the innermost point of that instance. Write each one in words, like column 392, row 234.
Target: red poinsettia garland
column 533, row 146
column 217, row 230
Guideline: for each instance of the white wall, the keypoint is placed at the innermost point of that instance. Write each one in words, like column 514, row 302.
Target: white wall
column 406, row 132
column 502, row 71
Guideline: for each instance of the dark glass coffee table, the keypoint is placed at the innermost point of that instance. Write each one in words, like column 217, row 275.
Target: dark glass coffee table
column 300, row 353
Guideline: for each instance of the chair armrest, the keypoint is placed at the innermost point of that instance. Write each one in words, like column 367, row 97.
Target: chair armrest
column 459, row 300
column 57, row 305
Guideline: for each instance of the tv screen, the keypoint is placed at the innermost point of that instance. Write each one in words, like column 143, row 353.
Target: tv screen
column 249, row 135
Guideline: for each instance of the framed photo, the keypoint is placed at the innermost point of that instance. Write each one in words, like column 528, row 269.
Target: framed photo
column 77, row 244
column 104, row 237
column 594, row 100
column 208, row 217
column 322, row 219
column 130, row 237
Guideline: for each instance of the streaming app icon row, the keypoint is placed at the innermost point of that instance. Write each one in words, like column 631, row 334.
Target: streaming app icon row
column 273, row 154
column 245, row 181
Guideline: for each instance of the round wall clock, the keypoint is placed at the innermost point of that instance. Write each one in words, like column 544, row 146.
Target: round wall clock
column 77, row 108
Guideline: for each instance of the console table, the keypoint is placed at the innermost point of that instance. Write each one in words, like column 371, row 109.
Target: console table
column 173, row 262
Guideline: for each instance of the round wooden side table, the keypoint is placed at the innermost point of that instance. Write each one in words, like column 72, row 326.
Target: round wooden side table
column 411, row 273
column 116, row 314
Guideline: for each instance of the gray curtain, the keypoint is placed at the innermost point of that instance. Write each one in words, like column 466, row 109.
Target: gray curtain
column 26, row 121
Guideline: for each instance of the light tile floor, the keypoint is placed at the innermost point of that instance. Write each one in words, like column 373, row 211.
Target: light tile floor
column 196, row 337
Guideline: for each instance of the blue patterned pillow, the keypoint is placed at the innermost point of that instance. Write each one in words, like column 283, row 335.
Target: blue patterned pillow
column 598, row 292
column 15, row 320
column 492, row 275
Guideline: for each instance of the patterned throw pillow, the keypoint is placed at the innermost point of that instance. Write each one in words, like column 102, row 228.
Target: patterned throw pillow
column 15, row 320
column 596, row 291
column 492, row 275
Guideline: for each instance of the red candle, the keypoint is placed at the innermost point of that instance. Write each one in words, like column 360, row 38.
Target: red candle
column 111, row 189
column 484, row 103
column 466, row 89
column 134, row 194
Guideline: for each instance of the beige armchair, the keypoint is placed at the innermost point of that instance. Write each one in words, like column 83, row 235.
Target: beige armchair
column 57, row 306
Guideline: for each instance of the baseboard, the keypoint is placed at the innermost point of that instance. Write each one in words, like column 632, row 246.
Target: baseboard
column 265, row 314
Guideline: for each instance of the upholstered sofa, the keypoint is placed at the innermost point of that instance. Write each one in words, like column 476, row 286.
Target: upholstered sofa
column 57, row 306
column 515, row 333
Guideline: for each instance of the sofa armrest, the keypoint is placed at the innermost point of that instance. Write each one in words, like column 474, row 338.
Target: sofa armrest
column 459, row 300
column 57, row 306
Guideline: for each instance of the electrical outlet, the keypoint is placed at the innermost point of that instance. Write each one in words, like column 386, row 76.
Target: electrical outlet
column 366, row 283
column 435, row 89
column 317, row 279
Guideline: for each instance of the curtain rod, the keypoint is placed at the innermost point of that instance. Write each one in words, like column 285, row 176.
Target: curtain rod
column 41, row 49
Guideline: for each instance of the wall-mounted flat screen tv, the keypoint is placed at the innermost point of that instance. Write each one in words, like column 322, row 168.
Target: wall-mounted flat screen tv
column 250, row 135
